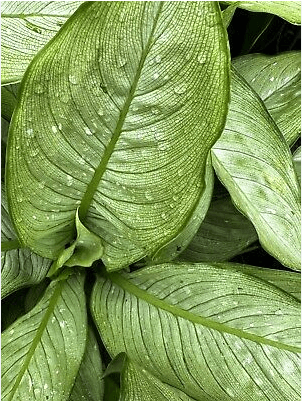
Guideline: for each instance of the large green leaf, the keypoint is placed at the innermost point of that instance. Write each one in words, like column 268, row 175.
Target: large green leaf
column 288, row 10
column 254, row 162
column 214, row 333
column 89, row 384
column 277, row 80
column 42, row 351
column 223, row 234
column 20, row 267
column 137, row 96
column 137, row 384
column 26, row 26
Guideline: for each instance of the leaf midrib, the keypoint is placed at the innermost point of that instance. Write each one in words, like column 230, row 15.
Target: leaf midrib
column 92, row 186
column 37, row 339
column 126, row 285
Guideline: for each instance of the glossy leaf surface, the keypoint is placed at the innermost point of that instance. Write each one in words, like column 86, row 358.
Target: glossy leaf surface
column 20, row 267
column 277, row 80
column 214, row 333
column 223, row 234
column 288, row 10
column 125, row 132
column 89, row 384
column 26, row 26
column 254, row 163
column 42, row 351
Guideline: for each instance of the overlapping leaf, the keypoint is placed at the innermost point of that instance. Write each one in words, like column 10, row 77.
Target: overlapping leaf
column 288, row 10
column 42, row 351
column 20, row 267
column 214, row 333
column 137, row 384
column 89, row 384
column 297, row 163
column 223, row 234
column 118, row 121
column 277, row 80
column 26, row 26
column 254, row 162
column 8, row 100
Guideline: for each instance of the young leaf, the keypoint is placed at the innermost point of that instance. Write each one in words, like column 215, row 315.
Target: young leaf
column 89, row 384
column 139, row 385
column 26, row 26
column 254, row 162
column 20, row 267
column 213, row 333
column 223, row 234
column 42, row 351
column 288, row 10
column 277, row 80
column 124, row 129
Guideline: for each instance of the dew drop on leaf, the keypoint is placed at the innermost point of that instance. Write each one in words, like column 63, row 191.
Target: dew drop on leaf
column 201, row 58
column 88, row 131
column 72, row 79
column 180, row 89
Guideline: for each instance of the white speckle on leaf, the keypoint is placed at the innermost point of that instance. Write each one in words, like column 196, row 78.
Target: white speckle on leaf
column 88, row 131
column 272, row 78
column 155, row 76
column 201, row 58
column 54, row 129
column 180, row 89
column 72, row 79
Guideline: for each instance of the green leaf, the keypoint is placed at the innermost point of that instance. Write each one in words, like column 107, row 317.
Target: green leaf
column 89, row 384
column 8, row 100
column 277, row 80
column 26, row 26
column 20, row 267
column 289, row 282
column 297, row 163
column 288, row 10
column 139, row 385
column 183, row 239
column 254, row 162
column 223, row 234
column 213, row 333
column 42, row 351
column 118, row 132
column 228, row 14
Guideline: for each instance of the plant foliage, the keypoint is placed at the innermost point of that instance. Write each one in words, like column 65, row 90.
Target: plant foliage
column 143, row 163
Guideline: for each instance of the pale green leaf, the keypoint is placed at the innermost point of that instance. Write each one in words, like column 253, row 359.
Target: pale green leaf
column 26, row 26
column 183, row 239
column 89, row 384
column 297, row 162
column 254, row 163
column 124, row 129
column 20, row 267
column 228, row 13
column 277, row 80
column 223, row 234
column 213, row 333
column 288, row 10
column 139, row 385
column 289, row 282
column 42, row 351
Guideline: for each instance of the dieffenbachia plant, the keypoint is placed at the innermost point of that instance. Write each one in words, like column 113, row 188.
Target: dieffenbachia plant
column 115, row 118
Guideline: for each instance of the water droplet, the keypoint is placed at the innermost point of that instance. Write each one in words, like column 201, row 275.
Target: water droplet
column 72, row 79
column 101, row 112
column 11, row 331
column 164, row 216
column 19, row 199
column 272, row 78
column 69, row 180
column 162, row 146
column 180, row 89
column 30, row 133
column 155, row 76
column 41, row 185
column 155, row 111
column 278, row 312
column 39, row 89
column 274, row 64
column 148, row 195
column 54, row 129
column 88, row 131
column 201, row 58
column 33, row 152
column 121, row 62
column 180, row 172
column 159, row 136
column 157, row 59
column 34, row 217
